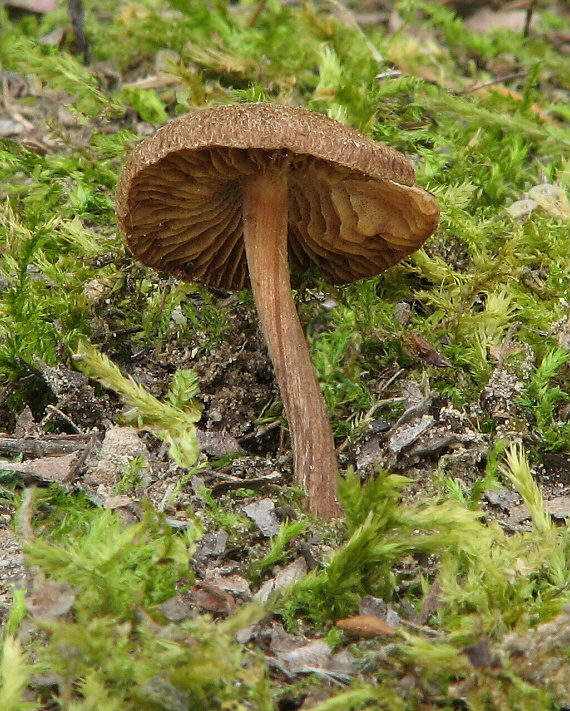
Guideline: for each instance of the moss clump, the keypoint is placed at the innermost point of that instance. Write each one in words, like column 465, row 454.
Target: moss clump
column 113, row 647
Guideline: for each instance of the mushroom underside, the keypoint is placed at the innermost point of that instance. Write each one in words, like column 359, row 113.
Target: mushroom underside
column 185, row 216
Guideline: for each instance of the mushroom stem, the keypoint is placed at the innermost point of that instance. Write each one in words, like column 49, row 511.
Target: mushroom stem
column 265, row 236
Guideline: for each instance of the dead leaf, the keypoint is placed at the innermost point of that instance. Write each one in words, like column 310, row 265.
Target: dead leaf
column 115, row 501
column 402, row 312
column 552, row 200
column 212, row 544
column 416, row 346
column 505, row 498
column 518, row 514
column 9, row 127
column 371, row 452
column 365, row 626
column 316, row 658
column 46, row 469
column 559, row 508
column 479, row 653
column 416, row 402
column 213, row 598
column 433, row 444
column 51, row 600
column 176, row 609
column 217, row 444
column 282, row 642
column 286, row 577
column 55, row 38
column 120, row 446
column 520, row 210
column 26, row 425
column 503, row 350
column 262, row 513
column 431, row 601
column 234, row 583
column 405, row 436
column 375, row 606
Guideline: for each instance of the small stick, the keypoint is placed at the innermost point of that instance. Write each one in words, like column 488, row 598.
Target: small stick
column 60, row 444
column 485, row 84
column 25, row 528
column 528, row 18
column 77, row 17
column 256, row 13
column 381, row 403
column 53, row 410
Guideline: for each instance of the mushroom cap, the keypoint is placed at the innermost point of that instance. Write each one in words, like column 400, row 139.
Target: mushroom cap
column 353, row 208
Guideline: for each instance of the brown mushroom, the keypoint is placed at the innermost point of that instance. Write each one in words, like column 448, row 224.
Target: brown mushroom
column 236, row 195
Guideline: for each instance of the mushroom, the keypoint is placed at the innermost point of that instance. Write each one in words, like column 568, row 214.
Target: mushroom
column 235, row 196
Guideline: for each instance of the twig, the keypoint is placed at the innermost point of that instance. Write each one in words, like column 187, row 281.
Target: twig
column 60, row 444
column 84, row 453
column 428, row 631
column 528, row 17
column 255, row 484
column 55, row 411
column 256, row 13
column 260, row 431
column 391, row 379
column 381, row 403
column 485, row 84
column 77, row 17
column 25, row 528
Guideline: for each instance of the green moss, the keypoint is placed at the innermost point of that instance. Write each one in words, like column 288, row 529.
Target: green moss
column 173, row 420
column 115, row 650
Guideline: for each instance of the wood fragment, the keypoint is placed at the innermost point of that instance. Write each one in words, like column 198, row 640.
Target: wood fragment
column 48, row 446
column 77, row 17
